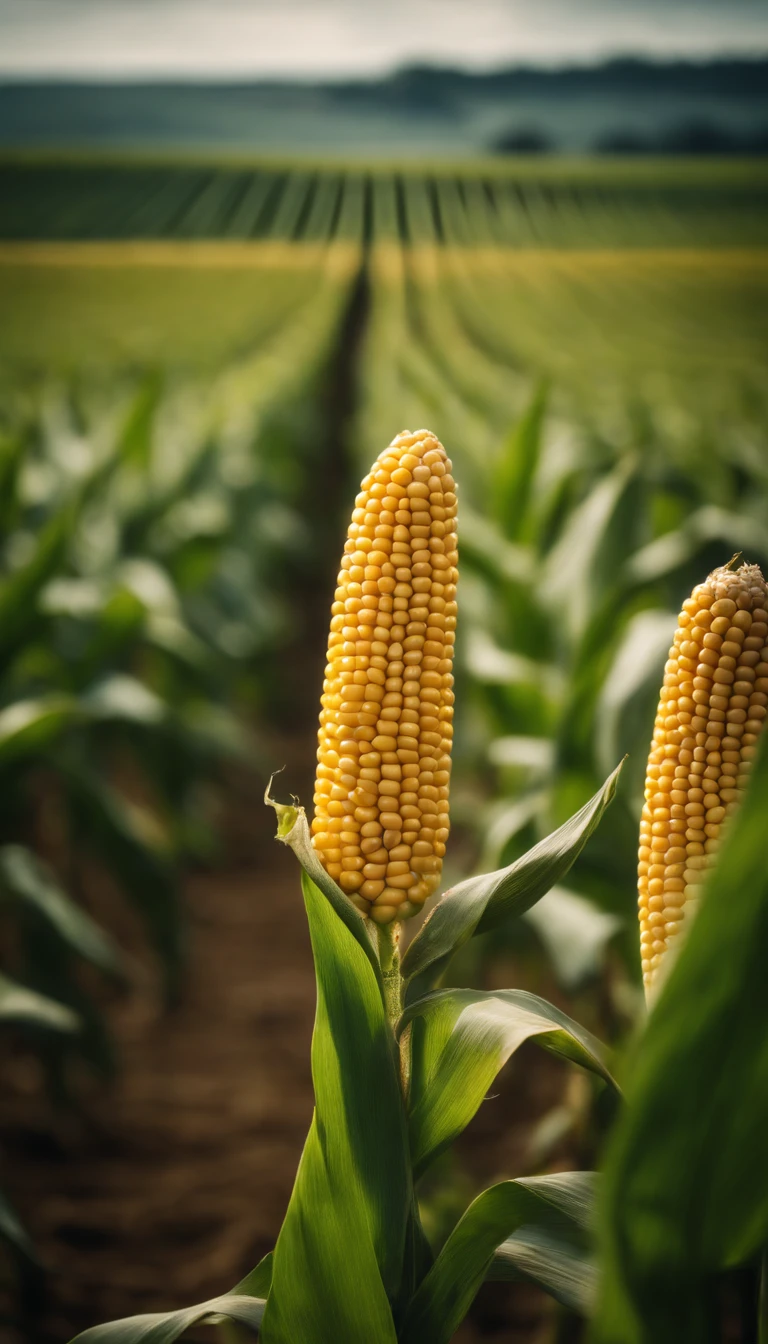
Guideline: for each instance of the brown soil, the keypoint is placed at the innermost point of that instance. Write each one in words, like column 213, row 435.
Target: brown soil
column 177, row 1183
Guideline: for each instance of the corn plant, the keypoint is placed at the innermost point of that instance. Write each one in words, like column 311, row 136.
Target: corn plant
column 399, row 1065
column 132, row 596
column 711, row 711
column 686, row 1198
column 563, row 677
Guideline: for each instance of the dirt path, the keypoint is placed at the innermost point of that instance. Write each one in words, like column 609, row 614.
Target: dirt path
column 180, row 1186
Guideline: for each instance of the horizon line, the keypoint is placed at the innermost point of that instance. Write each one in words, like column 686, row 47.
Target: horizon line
column 235, row 77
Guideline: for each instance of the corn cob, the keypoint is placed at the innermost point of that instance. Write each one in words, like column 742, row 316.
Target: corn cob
column 381, row 792
column 711, row 709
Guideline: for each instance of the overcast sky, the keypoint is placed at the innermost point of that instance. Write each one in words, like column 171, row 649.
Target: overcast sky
column 346, row 37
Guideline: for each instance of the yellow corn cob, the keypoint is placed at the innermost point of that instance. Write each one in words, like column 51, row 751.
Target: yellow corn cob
column 381, row 792
column 711, row 710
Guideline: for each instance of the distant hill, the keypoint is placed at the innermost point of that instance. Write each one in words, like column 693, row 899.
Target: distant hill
column 627, row 102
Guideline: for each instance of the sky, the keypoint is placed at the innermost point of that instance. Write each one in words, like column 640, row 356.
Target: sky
column 327, row 38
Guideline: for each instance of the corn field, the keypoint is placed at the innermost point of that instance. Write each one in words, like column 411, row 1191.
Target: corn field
column 199, row 362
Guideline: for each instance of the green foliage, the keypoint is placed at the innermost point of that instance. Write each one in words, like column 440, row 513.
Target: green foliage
column 558, row 1208
column 164, row 1327
column 155, row 531
column 467, row 1038
column 352, row 1260
column 150, row 537
column 339, row 1259
column 687, row 1169
column 29, row 883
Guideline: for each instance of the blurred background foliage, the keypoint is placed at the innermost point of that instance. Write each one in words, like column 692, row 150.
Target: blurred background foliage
column 197, row 365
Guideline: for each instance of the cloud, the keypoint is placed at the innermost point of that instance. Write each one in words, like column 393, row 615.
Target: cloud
column 342, row 37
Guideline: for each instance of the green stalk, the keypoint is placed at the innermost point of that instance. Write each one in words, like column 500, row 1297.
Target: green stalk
column 389, row 957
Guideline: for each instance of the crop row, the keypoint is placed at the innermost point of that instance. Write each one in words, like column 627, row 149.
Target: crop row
column 142, row 200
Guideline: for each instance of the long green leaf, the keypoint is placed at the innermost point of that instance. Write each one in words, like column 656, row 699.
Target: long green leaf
column 687, row 1170
column 589, row 549
column 339, row 1259
column 25, row 879
column 467, row 1039
column 560, row 1205
column 163, row 1327
column 482, row 903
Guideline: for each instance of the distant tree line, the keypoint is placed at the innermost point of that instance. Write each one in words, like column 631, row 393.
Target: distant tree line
column 692, row 136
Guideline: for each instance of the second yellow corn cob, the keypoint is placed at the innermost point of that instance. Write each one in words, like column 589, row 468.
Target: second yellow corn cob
column 711, row 710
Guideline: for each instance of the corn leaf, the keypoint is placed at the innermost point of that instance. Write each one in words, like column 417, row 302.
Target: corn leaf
column 632, row 684
column 25, row 1007
column 515, row 470
column 468, row 1035
column 482, row 903
column 123, row 698
column 590, row 548
column 575, row 933
column 258, row 1280
column 26, row 880
column 163, row 1327
column 707, row 525
column 487, row 550
column 561, row 1266
column 559, row 1205
column 687, row 1170
column 108, row 826
column 339, row 1258
column 19, row 591
column 27, row 727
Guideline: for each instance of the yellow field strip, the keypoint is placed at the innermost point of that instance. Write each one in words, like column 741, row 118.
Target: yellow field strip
column 213, row 255
column 240, row 255
column 653, row 258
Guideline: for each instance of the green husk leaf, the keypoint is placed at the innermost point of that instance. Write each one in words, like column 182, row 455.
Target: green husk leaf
column 293, row 830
